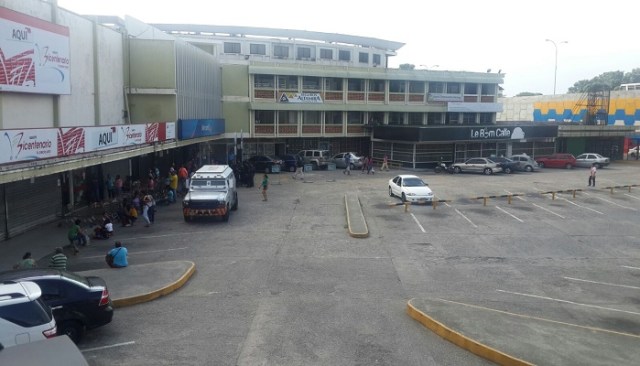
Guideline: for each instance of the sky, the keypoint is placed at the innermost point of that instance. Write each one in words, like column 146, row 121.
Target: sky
column 462, row 35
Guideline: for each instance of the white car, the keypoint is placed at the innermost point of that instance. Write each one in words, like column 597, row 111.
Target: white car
column 410, row 188
column 24, row 317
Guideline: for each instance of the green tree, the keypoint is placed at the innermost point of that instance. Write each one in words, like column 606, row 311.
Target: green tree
column 632, row 77
column 608, row 80
column 407, row 66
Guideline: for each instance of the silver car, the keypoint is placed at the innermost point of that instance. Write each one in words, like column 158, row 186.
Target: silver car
column 525, row 162
column 586, row 160
column 478, row 165
column 355, row 161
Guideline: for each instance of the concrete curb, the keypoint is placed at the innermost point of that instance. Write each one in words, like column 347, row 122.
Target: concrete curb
column 462, row 341
column 364, row 234
column 138, row 299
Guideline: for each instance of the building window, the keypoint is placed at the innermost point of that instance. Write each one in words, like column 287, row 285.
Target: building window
column 287, row 82
column 257, row 49
column 280, row 51
column 376, row 86
column 376, row 60
column 356, row 85
column 453, row 88
column 486, row 118
column 355, row 118
column 396, row 118
column 326, row 54
column 333, row 84
column 434, row 118
column 397, row 86
column 263, row 81
column 231, row 47
column 311, row 117
column 469, row 118
column 452, row 118
column 471, row 89
column 344, row 55
column 436, row 87
column 416, row 87
column 304, row 53
column 488, row 89
column 310, row 83
column 415, row 119
column 376, row 118
column 288, row 117
column 265, row 117
column 363, row 58
column 333, row 117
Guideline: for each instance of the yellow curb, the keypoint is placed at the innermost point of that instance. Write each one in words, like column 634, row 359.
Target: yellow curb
column 133, row 300
column 462, row 341
column 364, row 234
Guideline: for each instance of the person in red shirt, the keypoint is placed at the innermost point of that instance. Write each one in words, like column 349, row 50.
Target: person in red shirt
column 182, row 175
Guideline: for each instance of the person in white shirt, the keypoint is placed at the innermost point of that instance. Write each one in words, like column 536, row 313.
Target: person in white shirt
column 592, row 176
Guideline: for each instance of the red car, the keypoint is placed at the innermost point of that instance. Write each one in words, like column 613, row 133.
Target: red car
column 567, row 161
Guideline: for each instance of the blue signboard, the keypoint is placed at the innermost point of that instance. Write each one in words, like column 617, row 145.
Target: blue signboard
column 194, row 128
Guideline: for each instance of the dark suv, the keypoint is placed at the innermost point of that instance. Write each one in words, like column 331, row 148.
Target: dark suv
column 508, row 166
column 79, row 303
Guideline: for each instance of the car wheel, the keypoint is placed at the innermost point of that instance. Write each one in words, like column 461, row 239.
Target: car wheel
column 457, row 169
column 488, row 171
column 235, row 204
column 292, row 169
column 404, row 198
column 267, row 170
column 187, row 218
column 528, row 168
column 599, row 166
column 568, row 166
column 390, row 192
column 225, row 218
column 508, row 170
column 73, row 329
column 352, row 166
column 314, row 166
column 541, row 164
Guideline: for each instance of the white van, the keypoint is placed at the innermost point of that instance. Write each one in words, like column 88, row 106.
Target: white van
column 212, row 193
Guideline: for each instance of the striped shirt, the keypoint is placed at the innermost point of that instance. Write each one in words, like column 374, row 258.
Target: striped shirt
column 58, row 261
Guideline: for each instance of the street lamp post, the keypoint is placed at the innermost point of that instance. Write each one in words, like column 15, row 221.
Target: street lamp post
column 555, row 71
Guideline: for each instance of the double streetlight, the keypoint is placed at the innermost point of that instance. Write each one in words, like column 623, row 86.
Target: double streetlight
column 555, row 71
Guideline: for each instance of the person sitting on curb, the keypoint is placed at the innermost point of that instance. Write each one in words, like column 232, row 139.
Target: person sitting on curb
column 118, row 255
column 58, row 260
column 26, row 262
column 105, row 231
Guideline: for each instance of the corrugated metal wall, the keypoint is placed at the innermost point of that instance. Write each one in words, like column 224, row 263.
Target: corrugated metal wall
column 197, row 80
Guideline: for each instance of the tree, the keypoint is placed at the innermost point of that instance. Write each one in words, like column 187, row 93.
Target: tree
column 527, row 94
column 608, row 80
column 407, row 66
column 632, row 77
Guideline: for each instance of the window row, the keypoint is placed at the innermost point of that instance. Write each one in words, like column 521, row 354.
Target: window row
column 315, row 83
column 285, row 51
column 271, row 117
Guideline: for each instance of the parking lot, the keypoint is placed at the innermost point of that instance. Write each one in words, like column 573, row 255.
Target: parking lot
column 284, row 284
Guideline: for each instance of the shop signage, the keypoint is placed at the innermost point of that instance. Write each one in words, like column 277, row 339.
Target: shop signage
column 34, row 54
column 464, row 133
column 194, row 128
column 442, row 97
column 301, row 98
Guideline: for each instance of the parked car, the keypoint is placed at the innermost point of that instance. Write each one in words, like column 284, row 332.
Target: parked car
column 24, row 317
column 79, row 303
column 264, row 163
column 479, row 165
column 524, row 162
column 355, row 161
column 633, row 152
column 507, row 165
column 317, row 158
column 410, row 188
column 558, row 160
column 586, row 160
column 290, row 162
column 54, row 351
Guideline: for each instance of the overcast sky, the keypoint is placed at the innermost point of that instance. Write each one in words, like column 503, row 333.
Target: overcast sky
column 467, row 35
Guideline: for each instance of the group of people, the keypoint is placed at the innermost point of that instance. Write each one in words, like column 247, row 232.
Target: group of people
column 117, row 257
column 367, row 164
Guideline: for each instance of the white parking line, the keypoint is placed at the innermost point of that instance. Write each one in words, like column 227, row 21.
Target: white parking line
column 585, row 207
column 417, row 222
column 631, row 267
column 466, row 218
column 538, row 206
column 569, row 302
column 509, row 214
column 601, row 283
column 611, row 202
column 632, row 196
column 107, row 347
column 135, row 253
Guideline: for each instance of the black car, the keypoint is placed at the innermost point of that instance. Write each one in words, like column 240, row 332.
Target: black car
column 291, row 161
column 79, row 303
column 264, row 163
column 508, row 166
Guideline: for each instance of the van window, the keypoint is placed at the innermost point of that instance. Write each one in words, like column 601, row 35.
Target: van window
column 208, row 183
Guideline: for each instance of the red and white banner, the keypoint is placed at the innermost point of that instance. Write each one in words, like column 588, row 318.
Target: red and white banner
column 33, row 144
column 34, row 55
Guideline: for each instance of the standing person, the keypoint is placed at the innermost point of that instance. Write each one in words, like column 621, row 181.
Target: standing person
column 592, row 175
column 75, row 234
column 173, row 182
column 111, row 187
column 299, row 169
column 152, row 207
column 58, row 260
column 370, row 166
column 365, row 164
column 385, row 163
column 264, row 186
column 118, row 184
column 119, row 255
column 182, row 176
column 347, row 162
column 26, row 262
column 145, row 211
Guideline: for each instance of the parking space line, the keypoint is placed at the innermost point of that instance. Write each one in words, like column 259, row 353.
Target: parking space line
column 632, row 196
column 601, row 283
column 538, row 206
column 611, row 202
column 585, row 207
column 466, row 218
column 417, row 222
column 107, row 347
column 631, row 267
column 569, row 302
column 510, row 214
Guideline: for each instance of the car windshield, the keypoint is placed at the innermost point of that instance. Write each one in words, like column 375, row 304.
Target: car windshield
column 218, row 183
column 413, row 182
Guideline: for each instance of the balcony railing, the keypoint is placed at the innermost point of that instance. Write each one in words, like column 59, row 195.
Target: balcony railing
column 333, row 129
column 375, row 97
